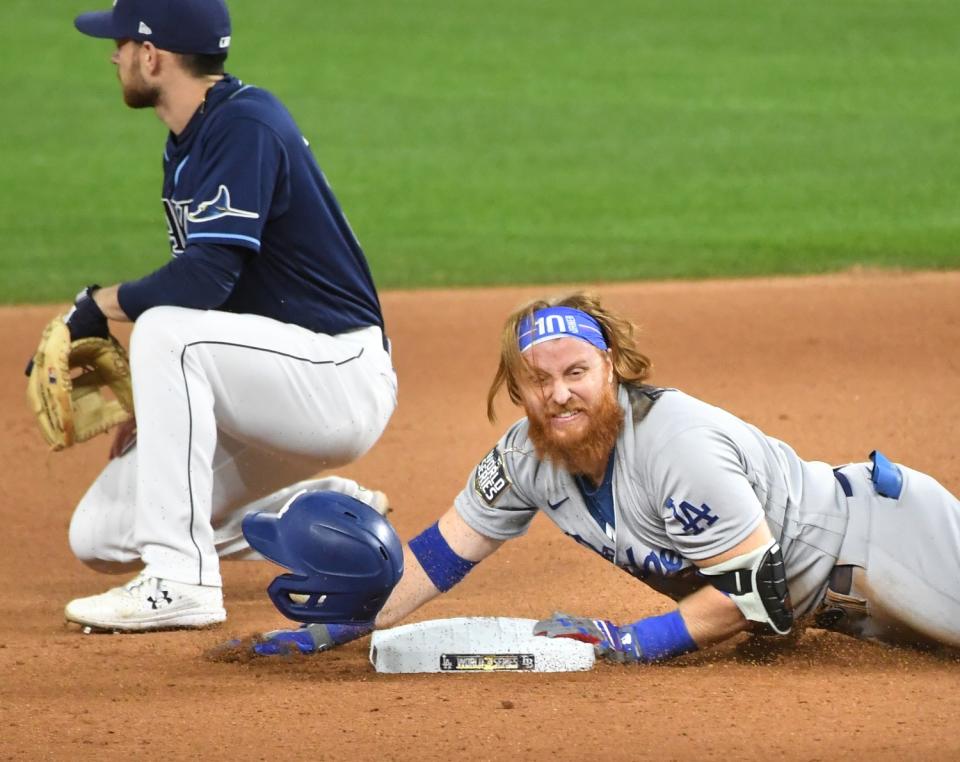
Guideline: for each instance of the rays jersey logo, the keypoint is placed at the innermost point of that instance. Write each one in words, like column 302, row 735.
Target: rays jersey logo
column 179, row 217
column 176, row 214
column 220, row 206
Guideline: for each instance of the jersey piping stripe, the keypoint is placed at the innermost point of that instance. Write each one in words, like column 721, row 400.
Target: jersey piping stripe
column 234, row 236
column 180, row 166
column 245, row 87
column 186, row 386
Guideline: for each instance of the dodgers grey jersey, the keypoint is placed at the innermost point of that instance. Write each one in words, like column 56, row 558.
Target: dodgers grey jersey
column 689, row 481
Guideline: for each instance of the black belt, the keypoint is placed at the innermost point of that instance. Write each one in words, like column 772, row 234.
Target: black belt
column 844, row 482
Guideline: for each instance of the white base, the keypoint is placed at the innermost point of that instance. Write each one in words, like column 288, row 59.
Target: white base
column 475, row 644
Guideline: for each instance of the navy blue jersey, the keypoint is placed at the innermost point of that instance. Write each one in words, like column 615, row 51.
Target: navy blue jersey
column 254, row 226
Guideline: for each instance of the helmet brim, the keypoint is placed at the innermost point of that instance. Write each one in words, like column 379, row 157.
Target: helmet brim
column 263, row 535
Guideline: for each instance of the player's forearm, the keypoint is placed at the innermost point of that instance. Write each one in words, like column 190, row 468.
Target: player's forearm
column 711, row 617
column 701, row 620
column 747, row 583
column 412, row 591
column 449, row 549
column 706, row 617
column 109, row 304
column 201, row 278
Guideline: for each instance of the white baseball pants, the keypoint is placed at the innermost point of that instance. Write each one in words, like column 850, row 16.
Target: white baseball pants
column 230, row 408
column 906, row 554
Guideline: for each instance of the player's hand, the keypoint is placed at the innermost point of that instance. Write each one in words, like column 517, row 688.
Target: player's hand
column 306, row 639
column 125, row 439
column 608, row 640
column 86, row 319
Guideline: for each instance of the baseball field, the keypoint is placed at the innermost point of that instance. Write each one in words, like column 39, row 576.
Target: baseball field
column 769, row 189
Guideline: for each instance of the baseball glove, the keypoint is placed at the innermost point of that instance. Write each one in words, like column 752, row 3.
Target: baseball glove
column 71, row 406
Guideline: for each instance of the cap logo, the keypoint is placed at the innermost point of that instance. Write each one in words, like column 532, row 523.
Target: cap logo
column 144, row 29
column 225, row 41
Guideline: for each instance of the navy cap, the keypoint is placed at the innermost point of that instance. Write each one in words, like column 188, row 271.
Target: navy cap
column 180, row 26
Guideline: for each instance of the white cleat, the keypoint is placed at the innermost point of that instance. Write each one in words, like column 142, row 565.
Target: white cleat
column 148, row 603
column 373, row 497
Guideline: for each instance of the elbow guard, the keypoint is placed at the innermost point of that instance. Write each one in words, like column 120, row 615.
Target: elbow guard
column 757, row 583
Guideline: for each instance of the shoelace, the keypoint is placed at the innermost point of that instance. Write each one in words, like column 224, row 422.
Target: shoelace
column 135, row 583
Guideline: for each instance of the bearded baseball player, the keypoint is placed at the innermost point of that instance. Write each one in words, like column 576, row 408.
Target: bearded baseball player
column 258, row 353
column 698, row 504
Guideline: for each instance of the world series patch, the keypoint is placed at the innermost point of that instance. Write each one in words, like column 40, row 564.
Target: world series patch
column 491, row 478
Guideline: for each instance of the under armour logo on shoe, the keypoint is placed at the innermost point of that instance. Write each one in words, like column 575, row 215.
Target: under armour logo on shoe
column 163, row 600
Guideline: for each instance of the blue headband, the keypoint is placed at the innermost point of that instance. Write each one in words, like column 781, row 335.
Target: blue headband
column 559, row 323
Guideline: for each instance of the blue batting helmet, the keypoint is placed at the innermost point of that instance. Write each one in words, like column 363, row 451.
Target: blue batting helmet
column 345, row 557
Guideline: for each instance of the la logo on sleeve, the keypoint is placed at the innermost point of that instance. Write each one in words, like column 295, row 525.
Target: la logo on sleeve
column 691, row 517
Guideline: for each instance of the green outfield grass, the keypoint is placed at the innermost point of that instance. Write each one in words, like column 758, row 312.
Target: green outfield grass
column 512, row 141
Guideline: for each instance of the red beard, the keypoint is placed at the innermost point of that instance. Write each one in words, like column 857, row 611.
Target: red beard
column 587, row 451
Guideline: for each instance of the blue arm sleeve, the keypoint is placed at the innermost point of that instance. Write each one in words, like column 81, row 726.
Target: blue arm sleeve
column 657, row 638
column 440, row 562
column 202, row 278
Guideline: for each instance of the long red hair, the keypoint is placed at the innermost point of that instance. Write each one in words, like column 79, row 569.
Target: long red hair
column 629, row 364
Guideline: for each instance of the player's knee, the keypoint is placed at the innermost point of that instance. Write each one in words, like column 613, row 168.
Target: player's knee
column 157, row 330
column 84, row 539
column 81, row 538
column 88, row 548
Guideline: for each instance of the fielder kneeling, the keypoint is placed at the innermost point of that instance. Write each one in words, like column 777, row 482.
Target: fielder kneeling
column 698, row 504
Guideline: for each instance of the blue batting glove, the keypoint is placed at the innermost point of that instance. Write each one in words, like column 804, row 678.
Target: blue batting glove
column 308, row 639
column 608, row 640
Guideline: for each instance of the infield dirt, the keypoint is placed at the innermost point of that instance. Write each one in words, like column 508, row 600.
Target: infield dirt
column 835, row 365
